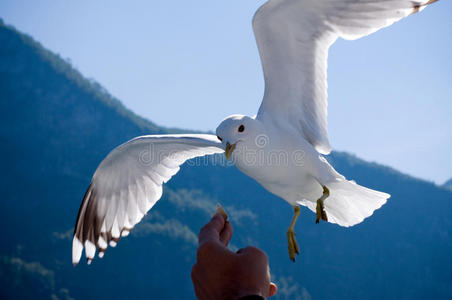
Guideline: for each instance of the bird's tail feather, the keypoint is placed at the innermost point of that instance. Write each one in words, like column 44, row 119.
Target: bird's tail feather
column 350, row 203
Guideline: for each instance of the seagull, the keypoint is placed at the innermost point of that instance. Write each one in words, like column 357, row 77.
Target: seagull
column 282, row 147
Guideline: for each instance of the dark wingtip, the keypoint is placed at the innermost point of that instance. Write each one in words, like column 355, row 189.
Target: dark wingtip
column 418, row 6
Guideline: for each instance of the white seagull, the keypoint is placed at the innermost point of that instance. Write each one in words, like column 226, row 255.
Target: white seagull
column 281, row 147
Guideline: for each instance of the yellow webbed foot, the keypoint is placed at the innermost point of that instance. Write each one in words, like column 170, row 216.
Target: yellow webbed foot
column 291, row 241
column 320, row 209
column 292, row 244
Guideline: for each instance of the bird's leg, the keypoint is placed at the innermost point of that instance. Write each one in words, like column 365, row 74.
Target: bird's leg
column 320, row 211
column 292, row 243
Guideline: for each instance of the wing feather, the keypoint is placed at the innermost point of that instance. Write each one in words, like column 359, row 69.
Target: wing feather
column 128, row 183
column 293, row 37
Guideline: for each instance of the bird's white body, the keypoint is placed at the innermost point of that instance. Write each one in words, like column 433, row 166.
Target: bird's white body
column 286, row 166
column 281, row 148
column 291, row 168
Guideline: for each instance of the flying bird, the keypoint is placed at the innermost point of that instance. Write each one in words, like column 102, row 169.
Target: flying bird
column 281, row 147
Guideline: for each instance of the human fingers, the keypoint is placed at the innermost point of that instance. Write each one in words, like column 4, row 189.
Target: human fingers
column 226, row 233
column 211, row 231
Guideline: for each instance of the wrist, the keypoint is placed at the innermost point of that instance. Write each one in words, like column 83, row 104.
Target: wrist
column 252, row 297
column 253, row 294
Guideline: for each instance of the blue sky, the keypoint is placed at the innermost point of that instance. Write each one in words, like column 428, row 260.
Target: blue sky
column 189, row 64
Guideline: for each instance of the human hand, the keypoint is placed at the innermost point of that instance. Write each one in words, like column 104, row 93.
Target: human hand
column 222, row 274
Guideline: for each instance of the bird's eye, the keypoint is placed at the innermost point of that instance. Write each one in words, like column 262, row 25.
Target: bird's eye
column 219, row 138
column 241, row 128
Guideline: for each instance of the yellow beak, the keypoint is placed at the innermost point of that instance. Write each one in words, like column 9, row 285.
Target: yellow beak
column 229, row 149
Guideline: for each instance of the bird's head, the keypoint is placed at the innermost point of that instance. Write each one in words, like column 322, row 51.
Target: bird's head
column 237, row 129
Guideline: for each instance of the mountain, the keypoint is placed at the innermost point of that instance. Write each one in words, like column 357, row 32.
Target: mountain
column 56, row 127
column 448, row 184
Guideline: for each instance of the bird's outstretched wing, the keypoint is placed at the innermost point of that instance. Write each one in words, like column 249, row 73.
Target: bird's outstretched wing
column 127, row 183
column 293, row 37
